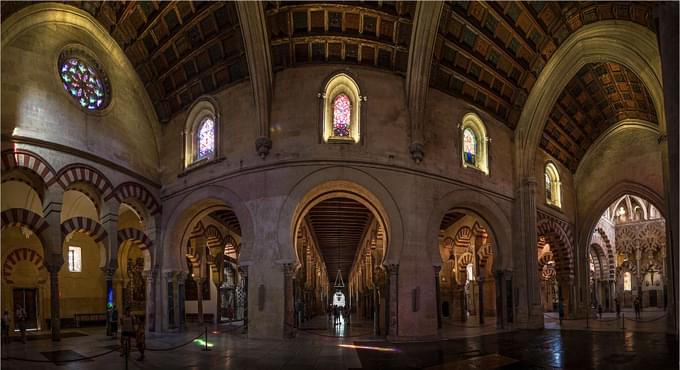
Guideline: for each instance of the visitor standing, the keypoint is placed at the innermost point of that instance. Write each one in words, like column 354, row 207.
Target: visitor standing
column 114, row 322
column 599, row 311
column 636, row 306
column 5, row 327
column 618, row 307
column 20, row 320
column 140, row 340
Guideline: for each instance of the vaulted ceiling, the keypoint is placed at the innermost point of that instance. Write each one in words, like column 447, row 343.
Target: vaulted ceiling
column 596, row 98
column 486, row 53
column 338, row 224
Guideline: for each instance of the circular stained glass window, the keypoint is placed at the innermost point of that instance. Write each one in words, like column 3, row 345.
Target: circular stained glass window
column 84, row 82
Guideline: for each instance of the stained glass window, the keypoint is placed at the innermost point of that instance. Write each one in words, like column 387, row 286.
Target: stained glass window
column 342, row 112
column 469, row 147
column 84, row 83
column 206, row 139
column 548, row 187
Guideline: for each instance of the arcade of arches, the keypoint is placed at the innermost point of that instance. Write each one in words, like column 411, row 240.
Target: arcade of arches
column 428, row 165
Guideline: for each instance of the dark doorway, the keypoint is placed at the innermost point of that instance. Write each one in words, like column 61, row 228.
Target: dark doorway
column 652, row 298
column 445, row 309
column 28, row 299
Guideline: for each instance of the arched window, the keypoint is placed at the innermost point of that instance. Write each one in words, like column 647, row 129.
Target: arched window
column 341, row 110
column 201, row 135
column 474, row 143
column 553, row 186
column 206, row 139
column 469, row 147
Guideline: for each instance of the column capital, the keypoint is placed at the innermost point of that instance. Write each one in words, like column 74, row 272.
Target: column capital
column 437, row 269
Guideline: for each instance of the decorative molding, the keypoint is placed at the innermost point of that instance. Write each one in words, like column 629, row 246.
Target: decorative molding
column 423, row 38
column 77, row 153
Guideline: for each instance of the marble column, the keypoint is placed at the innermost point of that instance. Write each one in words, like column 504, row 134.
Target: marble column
column 150, row 320
column 108, row 281
column 667, row 16
column 393, row 329
column 55, row 318
column 181, row 307
column 199, row 297
column 244, row 274
column 438, row 302
column 289, row 309
column 480, row 295
column 53, row 241
column 171, row 298
column 529, row 311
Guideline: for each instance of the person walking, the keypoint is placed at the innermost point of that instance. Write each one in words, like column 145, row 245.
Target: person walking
column 599, row 311
column 140, row 340
column 20, row 321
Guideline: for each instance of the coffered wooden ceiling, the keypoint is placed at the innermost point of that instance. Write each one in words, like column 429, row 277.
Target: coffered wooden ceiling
column 450, row 218
column 228, row 218
column 338, row 225
column 371, row 33
column 491, row 53
column 597, row 97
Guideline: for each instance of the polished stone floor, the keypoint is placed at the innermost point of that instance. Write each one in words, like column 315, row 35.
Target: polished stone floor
column 316, row 347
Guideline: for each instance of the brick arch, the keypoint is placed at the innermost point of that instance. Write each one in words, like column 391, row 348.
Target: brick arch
column 463, row 236
column 136, row 191
column 213, row 235
column 486, row 251
column 23, row 217
column 135, row 235
column 596, row 252
column 610, row 253
column 560, row 245
column 235, row 247
column 79, row 172
column 22, row 254
column 19, row 158
column 85, row 225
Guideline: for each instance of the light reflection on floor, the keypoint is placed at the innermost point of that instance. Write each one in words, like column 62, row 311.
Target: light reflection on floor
column 371, row 348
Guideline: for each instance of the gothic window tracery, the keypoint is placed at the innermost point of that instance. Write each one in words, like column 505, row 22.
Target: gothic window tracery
column 84, row 82
column 342, row 111
column 553, row 186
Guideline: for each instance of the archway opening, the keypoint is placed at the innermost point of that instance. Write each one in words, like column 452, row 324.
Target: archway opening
column 628, row 251
column 340, row 281
column 467, row 287
column 215, row 287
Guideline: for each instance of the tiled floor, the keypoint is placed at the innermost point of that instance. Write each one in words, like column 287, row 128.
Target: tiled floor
column 316, row 348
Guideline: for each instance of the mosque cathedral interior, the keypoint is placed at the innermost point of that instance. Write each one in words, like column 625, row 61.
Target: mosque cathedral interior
column 419, row 171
